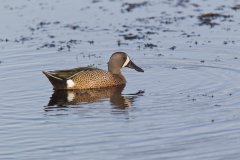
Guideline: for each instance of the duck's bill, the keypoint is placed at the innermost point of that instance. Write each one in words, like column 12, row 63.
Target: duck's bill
column 134, row 66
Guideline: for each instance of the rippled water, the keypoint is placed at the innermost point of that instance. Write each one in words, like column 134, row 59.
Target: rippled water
column 184, row 106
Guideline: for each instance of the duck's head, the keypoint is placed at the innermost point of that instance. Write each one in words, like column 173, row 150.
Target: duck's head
column 119, row 60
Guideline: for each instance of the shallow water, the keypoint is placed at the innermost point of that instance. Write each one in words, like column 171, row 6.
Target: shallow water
column 184, row 106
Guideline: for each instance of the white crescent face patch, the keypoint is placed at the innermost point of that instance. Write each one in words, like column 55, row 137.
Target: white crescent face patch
column 126, row 62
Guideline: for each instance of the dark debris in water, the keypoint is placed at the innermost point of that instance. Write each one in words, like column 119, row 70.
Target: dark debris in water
column 43, row 24
column 159, row 55
column 142, row 28
column 23, row 39
column 78, row 27
column 119, row 43
column 90, row 56
column 51, row 36
column 236, row 7
column 91, row 42
column 150, row 33
column 146, row 19
column 131, row 36
column 62, row 45
column 150, row 45
column 213, row 16
column 208, row 18
column 165, row 19
column 192, row 34
column 4, row 40
column 48, row 45
column 208, row 95
column 56, row 22
column 73, row 41
column 173, row 48
column 228, row 42
column 129, row 7
column 73, row 27
column 96, row 1
column 182, row 3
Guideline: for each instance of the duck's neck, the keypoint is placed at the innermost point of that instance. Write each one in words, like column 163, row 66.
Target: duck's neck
column 117, row 72
column 120, row 79
column 114, row 70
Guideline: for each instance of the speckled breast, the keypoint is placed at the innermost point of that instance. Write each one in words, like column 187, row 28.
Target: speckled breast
column 96, row 79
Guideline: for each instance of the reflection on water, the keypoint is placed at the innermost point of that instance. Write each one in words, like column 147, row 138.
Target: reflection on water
column 65, row 98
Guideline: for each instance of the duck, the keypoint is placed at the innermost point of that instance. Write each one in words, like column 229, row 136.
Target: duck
column 91, row 77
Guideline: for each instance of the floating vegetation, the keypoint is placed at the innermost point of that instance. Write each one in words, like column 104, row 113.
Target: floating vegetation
column 129, row 7
column 208, row 18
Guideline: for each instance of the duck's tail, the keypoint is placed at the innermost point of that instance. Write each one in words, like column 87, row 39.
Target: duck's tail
column 57, row 82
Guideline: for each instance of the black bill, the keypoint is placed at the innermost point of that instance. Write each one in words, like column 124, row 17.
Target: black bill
column 134, row 66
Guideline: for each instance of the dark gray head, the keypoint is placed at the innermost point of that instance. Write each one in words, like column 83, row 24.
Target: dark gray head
column 119, row 60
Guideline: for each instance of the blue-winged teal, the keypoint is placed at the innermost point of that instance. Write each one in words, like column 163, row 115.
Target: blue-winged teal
column 87, row 77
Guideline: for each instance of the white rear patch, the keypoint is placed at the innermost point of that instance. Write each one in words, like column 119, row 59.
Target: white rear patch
column 70, row 96
column 126, row 62
column 70, row 83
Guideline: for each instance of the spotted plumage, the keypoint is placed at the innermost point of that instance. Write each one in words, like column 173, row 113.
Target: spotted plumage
column 87, row 77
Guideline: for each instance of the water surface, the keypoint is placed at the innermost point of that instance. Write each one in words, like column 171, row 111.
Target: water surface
column 184, row 106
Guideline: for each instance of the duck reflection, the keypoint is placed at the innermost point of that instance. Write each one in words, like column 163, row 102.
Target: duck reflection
column 64, row 98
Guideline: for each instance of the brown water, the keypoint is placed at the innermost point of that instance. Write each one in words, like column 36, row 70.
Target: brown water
column 184, row 106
